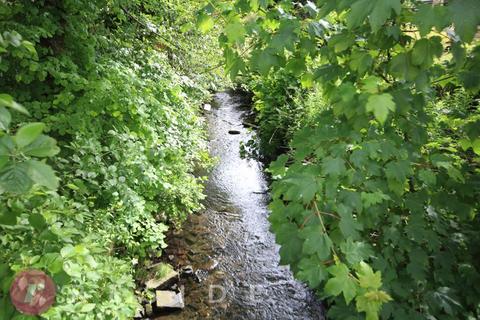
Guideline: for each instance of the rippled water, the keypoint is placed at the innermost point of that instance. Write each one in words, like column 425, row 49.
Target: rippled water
column 230, row 244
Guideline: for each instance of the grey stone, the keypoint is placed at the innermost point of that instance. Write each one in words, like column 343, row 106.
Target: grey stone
column 164, row 281
column 169, row 299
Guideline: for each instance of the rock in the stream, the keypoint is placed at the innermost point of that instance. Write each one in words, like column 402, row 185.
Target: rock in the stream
column 233, row 132
column 201, row 275
column 207, row 107
column 187, row 270
column 163, row 282
column 169, row 299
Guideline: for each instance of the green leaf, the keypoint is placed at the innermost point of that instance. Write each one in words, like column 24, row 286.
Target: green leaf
column 466, row 18
column 476, row 146
column 15, row 179
column 342, row 282
column 402, row 67
column 8, row 218
column 28, row 133
column 312, row 270
column 381, row 105
column 53, row 262
column 428, row 177
column 233, row 63
column 43, row 146
column 254, row 4
column 5, row 119
column 7, row 146
column 428, row 16
column 371, row 84
column 341, row 42
column 307, row 81
column 29, row 46
column 278, row 168
column 205, row 22
column 371, row 303
column 333, row 166
column 37, row 221
column 3, row 161
column 235, row 32
column 302, row 187
column 398, row 170
column 285, row 37
column 61, row 278
column 287, row 236
column 359, row 12
column 316, row 242
column 425, row 50
column 73, row 269
column 372, row 198
column 418, row 264
column 459, row 54
column 7, row 101
column 382, row 10
column 81, row 250
column 67, row 251
column 42, row 174
column 367, row 278
column 348, row 225
column 356, row 251
column 264, row 60
column 88, row 307
column 361, row 62
column 444, row 298
column 7, row 310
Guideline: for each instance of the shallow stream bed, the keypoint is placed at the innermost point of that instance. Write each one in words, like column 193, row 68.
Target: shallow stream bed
column 228, row 245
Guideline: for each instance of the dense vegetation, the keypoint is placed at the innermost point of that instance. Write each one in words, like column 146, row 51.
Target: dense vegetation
column 373, row 110
column 370, row 108
column 99, row 140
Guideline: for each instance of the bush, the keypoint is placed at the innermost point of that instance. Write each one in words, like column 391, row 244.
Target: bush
column 99, row 82
column 375, row 203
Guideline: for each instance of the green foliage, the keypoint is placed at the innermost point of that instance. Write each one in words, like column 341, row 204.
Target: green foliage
column 103, row 161
column 375, row 204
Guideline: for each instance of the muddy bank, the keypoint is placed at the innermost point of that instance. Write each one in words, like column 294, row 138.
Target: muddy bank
column 232, row 254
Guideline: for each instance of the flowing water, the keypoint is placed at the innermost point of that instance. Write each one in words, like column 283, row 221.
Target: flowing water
column 229, row 244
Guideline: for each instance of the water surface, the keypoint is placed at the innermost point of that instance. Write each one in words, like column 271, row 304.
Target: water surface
column 229, row 243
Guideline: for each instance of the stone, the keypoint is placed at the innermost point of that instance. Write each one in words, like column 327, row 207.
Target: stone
column 201, row 275
column 187, row 270
column 169, row 299
column 165, row 281
column 233, row 132
column 207, row 107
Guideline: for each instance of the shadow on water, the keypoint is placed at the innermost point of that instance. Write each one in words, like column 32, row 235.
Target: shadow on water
column 229, row 243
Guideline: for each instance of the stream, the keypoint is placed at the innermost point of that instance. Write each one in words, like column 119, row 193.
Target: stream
column 229, row 245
